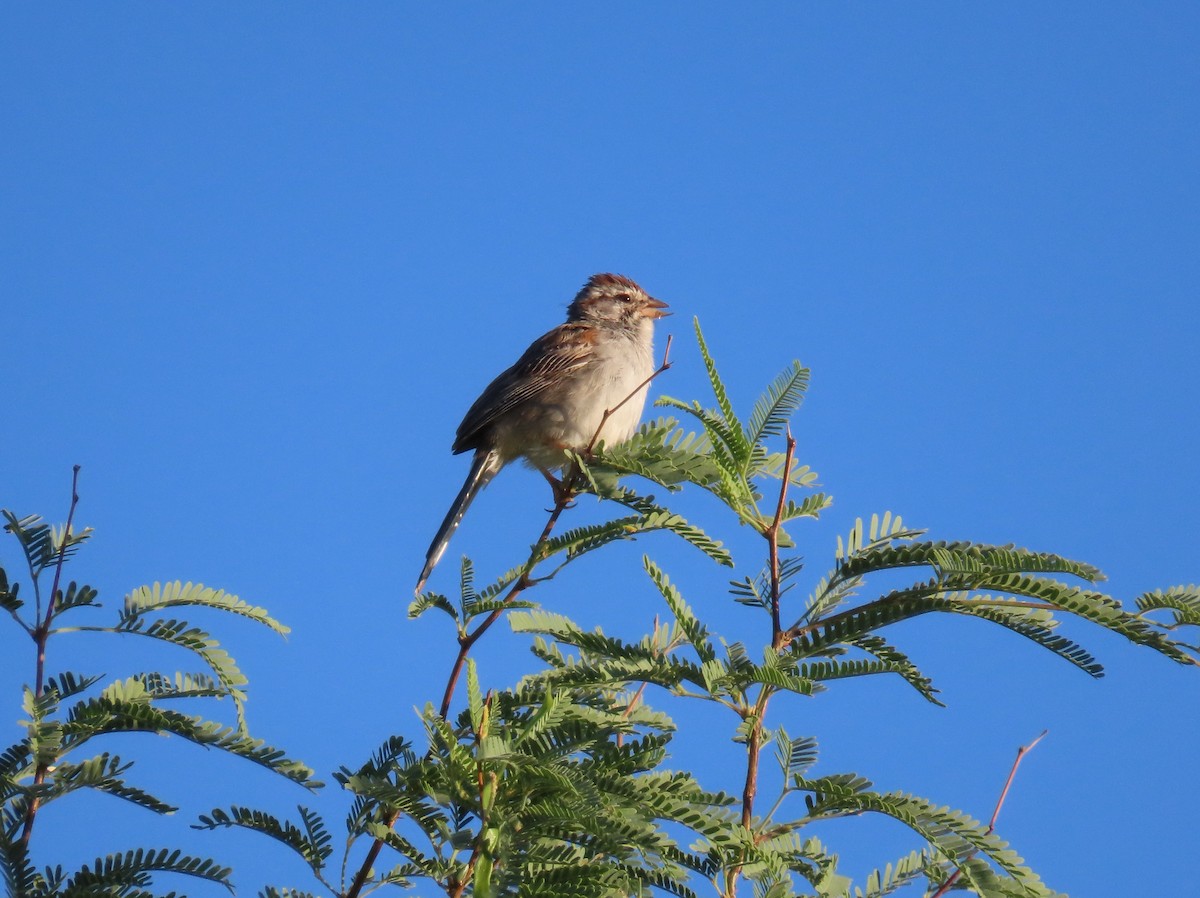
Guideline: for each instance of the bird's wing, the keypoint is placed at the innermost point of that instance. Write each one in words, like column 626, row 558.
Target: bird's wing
column 552, row 356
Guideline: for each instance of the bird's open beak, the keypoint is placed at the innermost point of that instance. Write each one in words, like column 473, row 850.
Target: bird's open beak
column 654, row 308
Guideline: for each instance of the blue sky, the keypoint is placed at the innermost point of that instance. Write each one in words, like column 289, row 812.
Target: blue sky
column 255, row 263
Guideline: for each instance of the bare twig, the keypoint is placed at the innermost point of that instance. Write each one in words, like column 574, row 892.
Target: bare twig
column 1012, row 773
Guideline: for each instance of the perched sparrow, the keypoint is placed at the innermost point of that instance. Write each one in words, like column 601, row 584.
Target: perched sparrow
column 556, row 395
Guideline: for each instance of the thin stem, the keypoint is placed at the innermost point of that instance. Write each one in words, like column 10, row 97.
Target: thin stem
column 753, row 749
column 750, row 789
column 772, row 535
column 41, row 636
column 1012, row 773
column 563, row 497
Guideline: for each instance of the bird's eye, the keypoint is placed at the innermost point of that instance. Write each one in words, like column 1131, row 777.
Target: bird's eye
column 624, row 297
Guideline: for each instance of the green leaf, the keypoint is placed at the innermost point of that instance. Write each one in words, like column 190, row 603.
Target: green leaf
column 427, row 600
column 776, row 406
column 735, row 437
column 661, row 452
column 122, row 710
column 474, row 697
column 795, row 756
column 118, row 872
column 312, row 842
column 159, row 596
column 75, row 597
column 8, row 595
column 180, row 685
column 1033, row 624
column 896, row 875
column 42, row 544
column 1183, row 601
column 103, row 773
column 693, row 629
column 67, row 684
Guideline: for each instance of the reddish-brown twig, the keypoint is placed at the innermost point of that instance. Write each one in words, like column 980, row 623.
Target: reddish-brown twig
column 772, row 535
column 1012, row 773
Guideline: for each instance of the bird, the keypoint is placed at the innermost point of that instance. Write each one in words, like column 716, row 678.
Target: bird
column 579, row 384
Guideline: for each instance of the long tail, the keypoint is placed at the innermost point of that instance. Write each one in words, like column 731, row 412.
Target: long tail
column 485, row 466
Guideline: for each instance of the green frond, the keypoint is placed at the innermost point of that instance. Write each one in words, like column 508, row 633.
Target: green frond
column 659, row 518
column 39, row 707
column 963, row 558
column 809, row 507
column 426, row 865
column 853, row 623
column 116, row 873
column 42, row 544
column 8, row 596
column 466, row 578
column 1032, row 623
column 661, row 452
column 427, row 600
column 103, row 773
column 1093, row 606
column 474, row 697
column 833, row 591
column 739, row 446
column 169, row 595
column 276, row 892
column 184, row 635
column 748, row 592
column 693, row 629
column 776, row 406
column 795, row 756
column 770, row 464
column 650, row 667
column 400, row 875
column 582, row 540
column 895, row 661
column 896, row 875
column 1182, row 601
column 604, row 660
column 395, row 750
column 122, row 710
column 68, row 684
column 728, row 477
column 20, row 876
column 310, row 840
column 884, row 531
column 160, row 686
column 75, row 596
column 15, row 761
column 778, row 678
column 951, row 834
